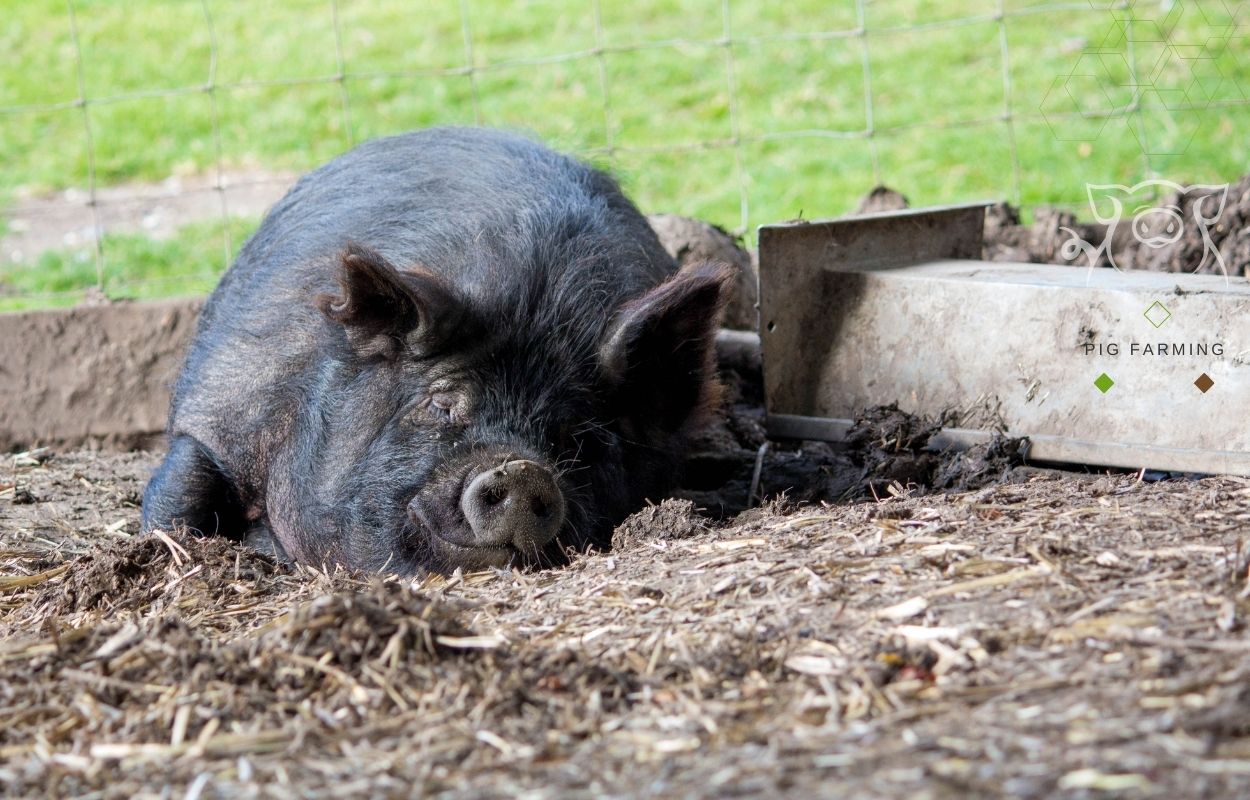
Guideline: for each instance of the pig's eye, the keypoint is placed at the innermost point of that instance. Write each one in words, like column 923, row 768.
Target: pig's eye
column 443, row 405
column 436, row 408
column 440, row 408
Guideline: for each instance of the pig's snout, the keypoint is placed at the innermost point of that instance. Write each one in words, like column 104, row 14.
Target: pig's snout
column 517, row 503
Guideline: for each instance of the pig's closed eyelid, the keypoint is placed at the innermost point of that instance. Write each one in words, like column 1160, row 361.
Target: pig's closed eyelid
column 424, row 413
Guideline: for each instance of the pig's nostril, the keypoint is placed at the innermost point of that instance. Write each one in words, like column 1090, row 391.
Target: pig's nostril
column 517, row 503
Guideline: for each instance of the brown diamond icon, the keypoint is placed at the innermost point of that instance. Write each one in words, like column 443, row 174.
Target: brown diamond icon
column 1204, row 382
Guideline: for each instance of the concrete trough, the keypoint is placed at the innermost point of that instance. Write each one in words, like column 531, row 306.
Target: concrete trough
column 1100, row 367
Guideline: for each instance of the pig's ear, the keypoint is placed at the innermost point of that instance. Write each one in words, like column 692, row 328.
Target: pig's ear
column 383, row 309
column 659, row 350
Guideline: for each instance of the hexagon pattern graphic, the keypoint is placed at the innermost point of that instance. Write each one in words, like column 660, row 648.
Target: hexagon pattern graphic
column 1149, row 74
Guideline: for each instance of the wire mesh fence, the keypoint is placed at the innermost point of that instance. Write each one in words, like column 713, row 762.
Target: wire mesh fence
column 142, row 140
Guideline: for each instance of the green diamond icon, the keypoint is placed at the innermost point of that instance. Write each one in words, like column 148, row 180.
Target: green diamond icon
column 1104, row 383
column 1157, row 314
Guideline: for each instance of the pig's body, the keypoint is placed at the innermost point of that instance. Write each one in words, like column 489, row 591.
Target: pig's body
column 416, row 314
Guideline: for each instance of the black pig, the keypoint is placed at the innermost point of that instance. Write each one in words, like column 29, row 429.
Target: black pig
column 451, row 348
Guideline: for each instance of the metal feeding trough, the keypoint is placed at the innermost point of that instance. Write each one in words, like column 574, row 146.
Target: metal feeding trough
column 1094, row 366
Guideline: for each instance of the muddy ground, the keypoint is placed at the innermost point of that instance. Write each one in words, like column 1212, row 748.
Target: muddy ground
column 1049, row 634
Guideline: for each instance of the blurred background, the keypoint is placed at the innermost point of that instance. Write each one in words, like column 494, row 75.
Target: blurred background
column 142, row 140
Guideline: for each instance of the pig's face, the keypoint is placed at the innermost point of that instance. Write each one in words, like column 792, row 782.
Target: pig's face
column 450, row 436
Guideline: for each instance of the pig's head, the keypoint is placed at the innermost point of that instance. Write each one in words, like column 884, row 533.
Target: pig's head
column 456, row 430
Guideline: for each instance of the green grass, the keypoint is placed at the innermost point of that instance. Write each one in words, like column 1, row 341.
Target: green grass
column 937, row 101
column 133, row 266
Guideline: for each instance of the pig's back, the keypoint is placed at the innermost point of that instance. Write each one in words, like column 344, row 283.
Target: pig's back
column 496, row 213
column 456, row 200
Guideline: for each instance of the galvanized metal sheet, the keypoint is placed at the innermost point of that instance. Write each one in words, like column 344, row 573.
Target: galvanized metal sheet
column 896, row 308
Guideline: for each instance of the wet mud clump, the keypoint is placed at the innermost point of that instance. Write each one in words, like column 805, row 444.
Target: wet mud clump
column 893, row 447
column 732, row 465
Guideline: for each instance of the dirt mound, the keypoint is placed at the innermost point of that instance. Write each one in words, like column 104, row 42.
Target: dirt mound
column 690, row 241
column 880, row 199
column 385, row 623
column 137, row 572
column 671, row 519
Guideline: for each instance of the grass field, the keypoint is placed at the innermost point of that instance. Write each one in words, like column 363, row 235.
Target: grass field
column 767, row 124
